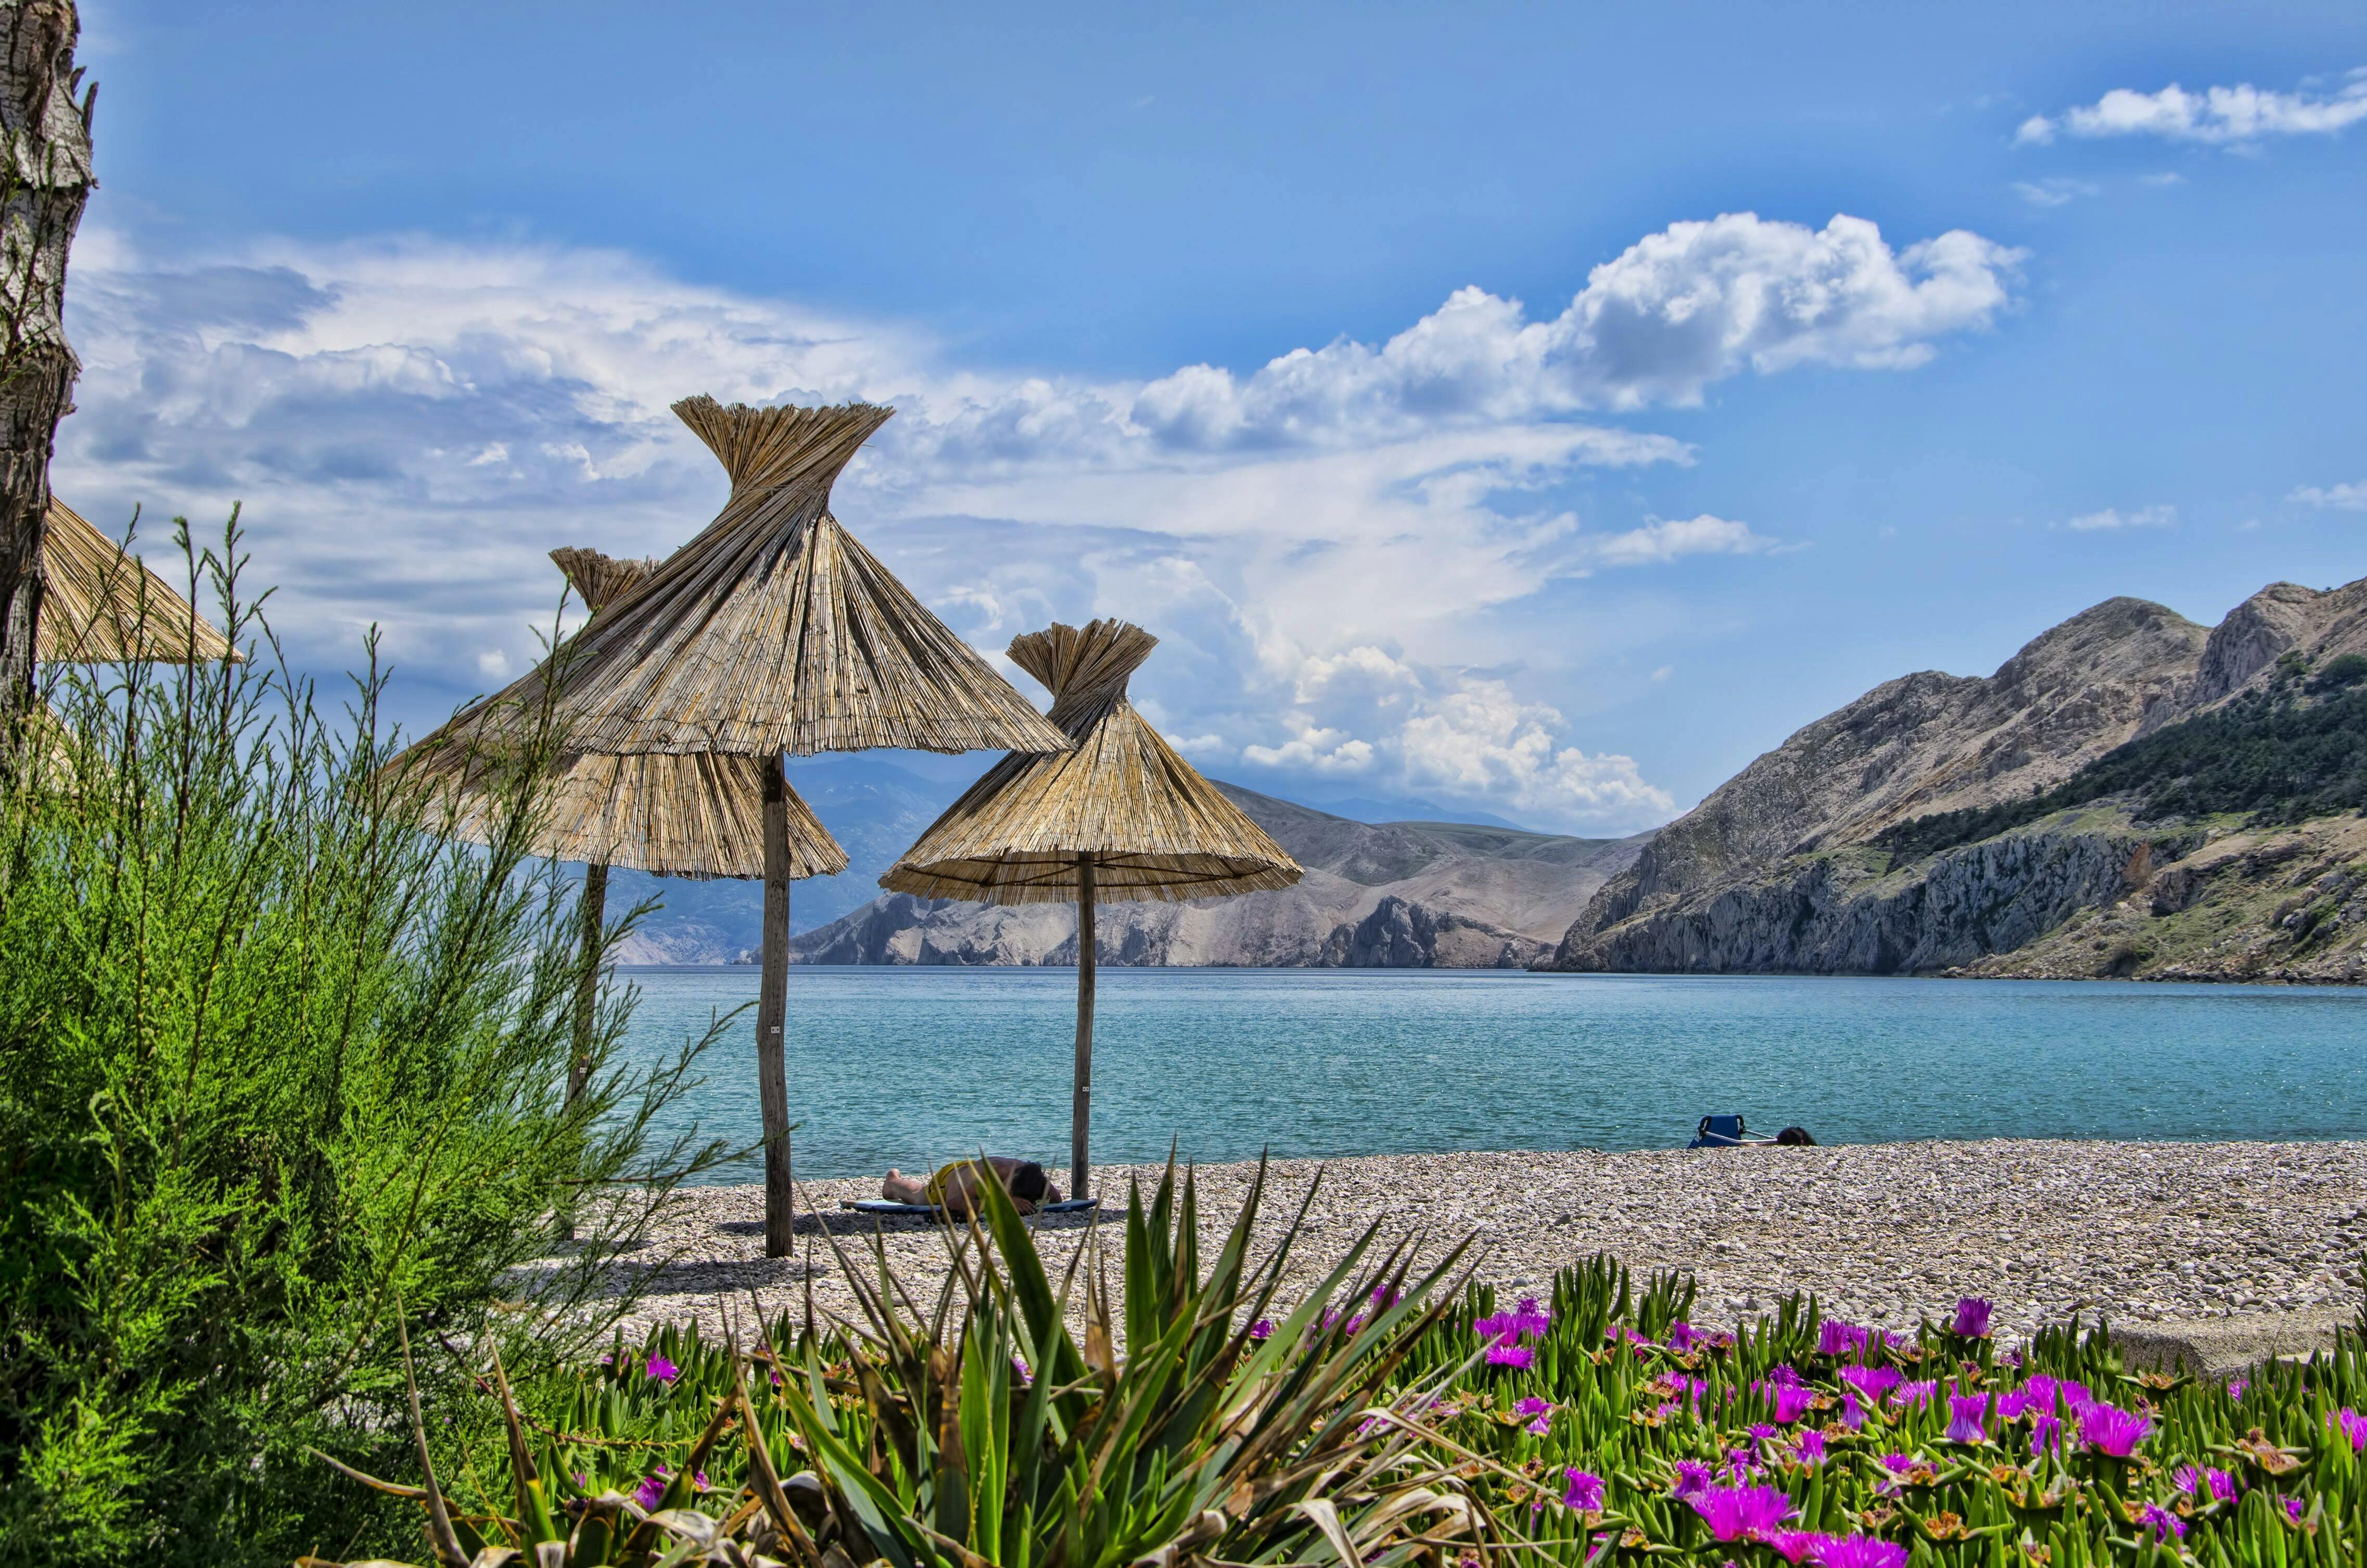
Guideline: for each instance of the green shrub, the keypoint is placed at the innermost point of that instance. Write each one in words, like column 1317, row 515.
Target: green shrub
column 275, row 1067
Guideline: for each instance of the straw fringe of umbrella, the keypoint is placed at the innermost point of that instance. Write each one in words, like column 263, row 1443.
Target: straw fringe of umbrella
column 100, row 605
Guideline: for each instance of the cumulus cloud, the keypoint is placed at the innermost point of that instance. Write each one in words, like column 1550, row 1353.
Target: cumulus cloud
column 1678, row 310
column 411, row 423
column 2344, row 497
column 2216, row 115
column 1481, row 741
column 2141, row 517
column 1658, row 541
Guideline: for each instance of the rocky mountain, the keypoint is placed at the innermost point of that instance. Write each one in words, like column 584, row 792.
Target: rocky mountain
column 1403, row 894
column 2032, row 821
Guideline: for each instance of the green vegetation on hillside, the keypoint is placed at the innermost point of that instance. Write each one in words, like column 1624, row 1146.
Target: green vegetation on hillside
column 2295, row 750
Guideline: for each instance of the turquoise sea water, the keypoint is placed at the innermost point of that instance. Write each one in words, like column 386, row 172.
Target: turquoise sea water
column 913, row 1066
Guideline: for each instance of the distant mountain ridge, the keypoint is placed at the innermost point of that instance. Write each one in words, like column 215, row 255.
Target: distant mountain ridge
column 1807, row 862
column 1406, row 894
column 1426, row 888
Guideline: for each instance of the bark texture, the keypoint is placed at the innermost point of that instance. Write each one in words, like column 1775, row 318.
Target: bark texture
column 45, row 180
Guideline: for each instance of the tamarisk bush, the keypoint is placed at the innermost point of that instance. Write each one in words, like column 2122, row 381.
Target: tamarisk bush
column 278, row 1069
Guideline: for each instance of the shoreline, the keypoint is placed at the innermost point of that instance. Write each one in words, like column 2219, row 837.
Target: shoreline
column 1884, row 1234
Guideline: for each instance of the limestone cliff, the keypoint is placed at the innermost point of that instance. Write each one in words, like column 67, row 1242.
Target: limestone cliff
column 1780, row 868
column 1402, row 894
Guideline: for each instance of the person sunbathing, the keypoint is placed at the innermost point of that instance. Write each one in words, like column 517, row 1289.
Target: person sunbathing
column 955, row 1189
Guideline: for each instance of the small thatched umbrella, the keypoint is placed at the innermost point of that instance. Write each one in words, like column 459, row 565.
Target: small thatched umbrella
column 775, row 631
column 696, row 815
column 1121, row 818
column 100, row 605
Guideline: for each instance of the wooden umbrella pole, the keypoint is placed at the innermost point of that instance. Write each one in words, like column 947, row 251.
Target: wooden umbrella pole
column 1080, row 1105
column 592, row 915
column 772, row 1007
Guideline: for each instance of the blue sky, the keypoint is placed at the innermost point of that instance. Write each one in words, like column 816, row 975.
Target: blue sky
column 1539, row 409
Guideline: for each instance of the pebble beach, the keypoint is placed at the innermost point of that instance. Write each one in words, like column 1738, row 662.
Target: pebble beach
column 1884, row 1234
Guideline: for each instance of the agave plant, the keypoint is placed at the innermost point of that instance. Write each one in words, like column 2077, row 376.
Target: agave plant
column 1014, row 1422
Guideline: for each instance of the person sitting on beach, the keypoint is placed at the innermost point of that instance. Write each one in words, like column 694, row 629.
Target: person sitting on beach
column 955, row 1188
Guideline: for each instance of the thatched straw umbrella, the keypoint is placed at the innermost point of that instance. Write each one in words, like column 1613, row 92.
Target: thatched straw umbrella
column 1121, row 818
column 100, row 605
column 672, row 815
column 775, row 631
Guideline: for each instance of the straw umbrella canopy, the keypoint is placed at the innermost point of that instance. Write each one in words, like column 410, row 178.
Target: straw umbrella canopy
column 776, row 631
column 1120, row 818
column 693, row 816
column 100, row 605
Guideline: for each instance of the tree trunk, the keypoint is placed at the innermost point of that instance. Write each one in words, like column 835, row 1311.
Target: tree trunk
column 44, row 181
column 1081, row 1101
column 772, row 1006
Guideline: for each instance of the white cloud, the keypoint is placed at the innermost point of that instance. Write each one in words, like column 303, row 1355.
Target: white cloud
column 2346, row 497
column 1481, row 741
column 2218, row 115
column 2163, row 178
column 1657, row 541
column 2055, row 192
column 2142, row 517
column 411, row 425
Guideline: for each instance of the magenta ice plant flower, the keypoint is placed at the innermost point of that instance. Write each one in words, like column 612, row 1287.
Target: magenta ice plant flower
column 1533, row 1405
column 652, row 1487
column 1809, row 1445
column 658, row 1367
column 1693, row 1480
column 1796, row 1546
column 2165, row 1525
column 1919, row 1391
column 1681, row 1337
column 2293, row 1509
column 1261, row 1329
column 1872, row 1383
column 2354, row 1427
column 1837, row 1338
column 1852, row 1413
column 2046, row 1432
column 2215, row 1482
column 1972, row 1318
column 1531, row 1318
column 1742, row 1513
column 2110, row 1430
column 1585, row 1493
column 1964, row 1414
column 1860, row 1551
column 1792, row 1402
column 1518, row 1356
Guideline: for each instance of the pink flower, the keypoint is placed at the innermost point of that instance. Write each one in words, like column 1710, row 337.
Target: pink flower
column 658, row 1367
column 2196, row 1483
column 1810, row 1447
column 2110, row 1430
column 1964, row 1414
column 652, row 1488
column 2293, row 1509
column 2046, row 1432
column 1861, row 1552
column 1693, row 1480
column 1920, row 1391
column 1796, row 1546
column 2354, row 1427
column 1836, row 1338
column 1519, row 1357
column 1972, row 1318
column 1681, row 1337
column 1872, row 1383
column 1532, row 1406
column 1585, row 1492
column 2164, row 1524
column 1852, row 1413
column 1742, row 1513
column 1792, row 1403
column 1261, row 1329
